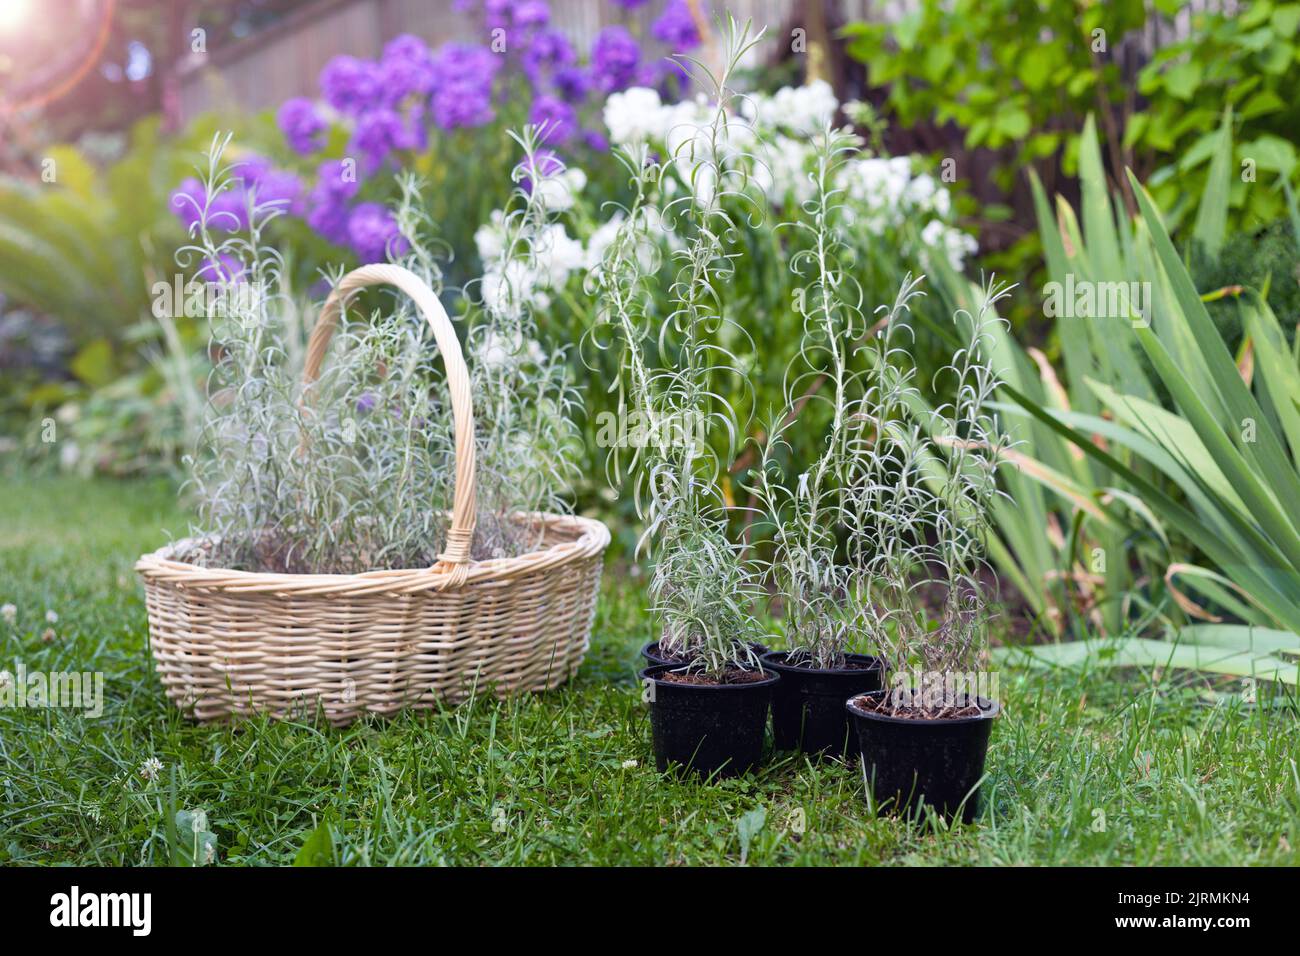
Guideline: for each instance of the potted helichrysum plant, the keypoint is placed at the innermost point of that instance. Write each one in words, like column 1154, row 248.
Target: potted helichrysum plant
column 922, row 488
column 811, row 586
column 708, row 706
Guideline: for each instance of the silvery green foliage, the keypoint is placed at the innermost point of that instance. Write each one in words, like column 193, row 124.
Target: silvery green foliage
column 807, row 514
column 523, row 399
column 703, row 587
column 351, row 473
column 357, row 470
column 921, row 487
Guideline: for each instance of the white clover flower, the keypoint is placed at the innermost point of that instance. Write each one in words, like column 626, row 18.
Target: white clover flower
column 151, row 768
column 629, row 764
column 52, row 617
column 9, row 612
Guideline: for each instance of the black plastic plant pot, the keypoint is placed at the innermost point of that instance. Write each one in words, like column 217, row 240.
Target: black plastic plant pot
column 910, row 761
column 710, row 729
column 650, row 653
column 808, row 704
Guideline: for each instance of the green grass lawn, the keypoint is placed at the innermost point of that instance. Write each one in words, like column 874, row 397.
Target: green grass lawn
column 1176, row 773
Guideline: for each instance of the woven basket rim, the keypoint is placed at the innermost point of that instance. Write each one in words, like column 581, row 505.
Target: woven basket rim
column 593, row 537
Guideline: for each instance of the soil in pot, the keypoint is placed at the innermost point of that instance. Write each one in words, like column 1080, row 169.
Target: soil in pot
column 652, row 655
column 708, row 727
column 909, row 758
column 808, row 704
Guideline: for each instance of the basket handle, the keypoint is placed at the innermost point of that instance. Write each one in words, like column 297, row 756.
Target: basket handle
column 461, row 534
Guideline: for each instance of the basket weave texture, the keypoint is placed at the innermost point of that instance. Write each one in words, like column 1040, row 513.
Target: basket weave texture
column 236, row 643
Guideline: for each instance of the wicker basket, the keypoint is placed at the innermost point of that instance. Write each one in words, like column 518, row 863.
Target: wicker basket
column 238, row 642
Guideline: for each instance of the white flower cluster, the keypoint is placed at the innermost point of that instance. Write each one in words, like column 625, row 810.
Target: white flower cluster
column 884, row 194
column 771, row 135
column 509, row 287
column 955, row 244
column 773, row 131
column 802, row 110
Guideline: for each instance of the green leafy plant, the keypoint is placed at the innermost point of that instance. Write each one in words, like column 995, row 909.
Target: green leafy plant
column 1228, row 449
column 1020, row 78
column 356, row 470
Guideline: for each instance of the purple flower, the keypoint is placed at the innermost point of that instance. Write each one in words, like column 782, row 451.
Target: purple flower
column 373, row 233
column 555, row 119
column 330, row 221
column 251, row 169
column 301, row 125
column 547, row 51
column 328, row 203
column 378, row 132
column 336, row 181
column 351, row 85
column 630, row 4
column 456, row 108
column 415, row 134
column 572, row 83
column 463, row 76
column 406, row 46
column 187, row 202
column 464, row 64
column 676, row 27
column 366, row 402
column 270, row 187
column 281, row 190
column 516, row 17
column 614, row 58
column 225, row 269
column 649, row 74
column 531, row 14
column 405, row 69
column 228, row 209
column 595, row 140
column 545, row 163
